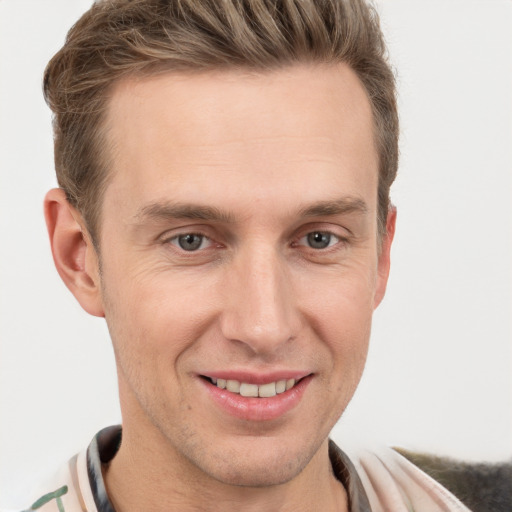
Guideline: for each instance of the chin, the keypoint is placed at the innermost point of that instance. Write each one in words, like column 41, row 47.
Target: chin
column 257, row 474
column 256, row 464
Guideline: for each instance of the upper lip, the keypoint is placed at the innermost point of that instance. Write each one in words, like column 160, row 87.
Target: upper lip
column 251, row 377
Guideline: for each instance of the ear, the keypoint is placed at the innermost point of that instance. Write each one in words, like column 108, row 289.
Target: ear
column 74, row 255
column 385, row 257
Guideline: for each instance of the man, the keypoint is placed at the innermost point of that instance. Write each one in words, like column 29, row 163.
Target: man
column 224, row 173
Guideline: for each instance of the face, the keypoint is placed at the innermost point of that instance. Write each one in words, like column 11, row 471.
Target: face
column 239, row 249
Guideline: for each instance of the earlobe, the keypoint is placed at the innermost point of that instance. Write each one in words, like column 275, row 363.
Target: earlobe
column 74, row 255
column 385, row 257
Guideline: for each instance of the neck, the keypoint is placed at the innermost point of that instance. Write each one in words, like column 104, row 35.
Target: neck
column 149, row 474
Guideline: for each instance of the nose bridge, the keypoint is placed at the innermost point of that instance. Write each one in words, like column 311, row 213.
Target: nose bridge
column 261, row 311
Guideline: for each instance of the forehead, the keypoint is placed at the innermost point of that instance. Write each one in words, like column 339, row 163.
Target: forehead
column 285, row 131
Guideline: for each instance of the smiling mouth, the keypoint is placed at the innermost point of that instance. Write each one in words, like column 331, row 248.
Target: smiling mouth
column 247, row 389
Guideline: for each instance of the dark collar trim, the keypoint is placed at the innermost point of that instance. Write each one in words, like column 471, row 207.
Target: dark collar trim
column 101, row 451
column 346, row 473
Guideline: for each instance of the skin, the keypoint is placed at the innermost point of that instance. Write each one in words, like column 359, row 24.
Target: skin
column 252, row 164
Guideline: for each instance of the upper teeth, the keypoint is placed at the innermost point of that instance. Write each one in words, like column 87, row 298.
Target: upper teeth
column 254, row 390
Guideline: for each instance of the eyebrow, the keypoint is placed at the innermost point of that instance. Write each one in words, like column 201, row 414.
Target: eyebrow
column 170, row 210
column 341, row 206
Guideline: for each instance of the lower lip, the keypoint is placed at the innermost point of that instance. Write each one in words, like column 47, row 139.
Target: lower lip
column 257, row 409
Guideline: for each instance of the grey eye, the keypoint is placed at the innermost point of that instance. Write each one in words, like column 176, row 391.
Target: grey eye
column 319, row 239
column 190, row 241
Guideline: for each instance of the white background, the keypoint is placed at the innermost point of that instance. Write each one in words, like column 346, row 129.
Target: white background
column 439, row 372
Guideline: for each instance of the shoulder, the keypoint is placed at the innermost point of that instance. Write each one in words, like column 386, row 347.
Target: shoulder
column 66, row 491
column 483, row 487
column 392, row 482
column 396, row 479
column 78, row 486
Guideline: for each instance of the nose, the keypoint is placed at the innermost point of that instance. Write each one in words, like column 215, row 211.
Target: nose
column 260, row 308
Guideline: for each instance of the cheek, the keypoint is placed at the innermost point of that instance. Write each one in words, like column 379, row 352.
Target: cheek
column 154, row 315
column 152, row 326
column 342, row 300
column 340, row 315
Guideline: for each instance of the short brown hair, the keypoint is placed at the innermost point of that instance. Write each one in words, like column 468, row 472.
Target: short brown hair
column 120, row 38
